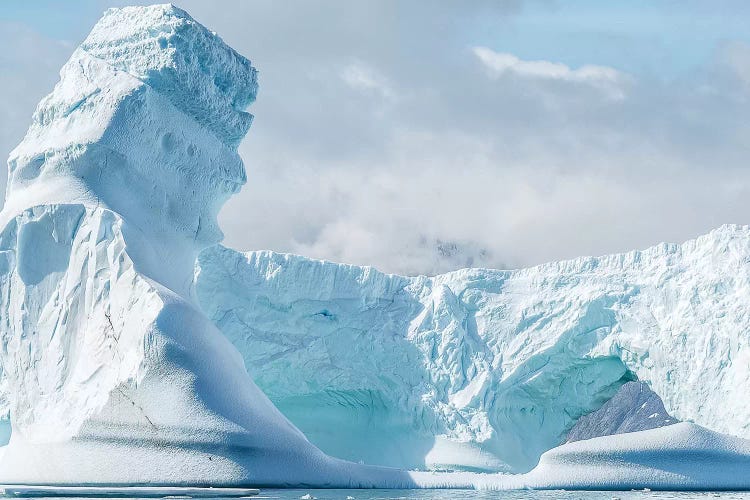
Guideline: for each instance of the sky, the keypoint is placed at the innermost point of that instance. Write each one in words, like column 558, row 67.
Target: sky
column 422, row 137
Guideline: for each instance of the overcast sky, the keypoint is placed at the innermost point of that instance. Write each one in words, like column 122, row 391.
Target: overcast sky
column 427, row 136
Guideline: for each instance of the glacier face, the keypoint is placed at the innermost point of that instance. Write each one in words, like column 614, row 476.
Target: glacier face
column 483, row 369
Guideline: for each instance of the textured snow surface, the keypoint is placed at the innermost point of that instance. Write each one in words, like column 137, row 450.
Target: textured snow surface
column 113, row 373
column 675, row 457
column 635, row 407
column 487, row 369
column 678, row 457
column 180, row 59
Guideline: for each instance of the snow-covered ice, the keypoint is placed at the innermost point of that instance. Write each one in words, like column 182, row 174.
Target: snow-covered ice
column 124, row 362
column 682, row 456
column 111, row 373
column 484, row 369
column 676, row 457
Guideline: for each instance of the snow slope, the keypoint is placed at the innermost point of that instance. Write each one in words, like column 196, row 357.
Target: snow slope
column 676, row 457
column 682, row 456
column 482, row 369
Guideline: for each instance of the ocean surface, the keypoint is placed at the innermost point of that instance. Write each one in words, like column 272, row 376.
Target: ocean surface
column 486, row 495
column 447, row 494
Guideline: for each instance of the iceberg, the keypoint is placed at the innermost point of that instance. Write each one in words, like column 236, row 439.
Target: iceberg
column 111, row 374
column 485, row 370
column 138, row 352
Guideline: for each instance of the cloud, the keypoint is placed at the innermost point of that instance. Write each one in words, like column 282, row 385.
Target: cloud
column 736, row 59
column 499, row 64
column 382, row 137
column 363, row 77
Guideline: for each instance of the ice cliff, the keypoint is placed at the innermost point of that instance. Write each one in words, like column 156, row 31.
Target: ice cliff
column 483, row 369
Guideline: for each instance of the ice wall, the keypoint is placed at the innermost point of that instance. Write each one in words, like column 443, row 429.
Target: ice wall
column 483, row 369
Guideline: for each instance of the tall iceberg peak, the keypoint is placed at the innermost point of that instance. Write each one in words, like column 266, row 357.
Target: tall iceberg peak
column 111, row 374
column 144, row 61
column 145, row 121
column 167, row 49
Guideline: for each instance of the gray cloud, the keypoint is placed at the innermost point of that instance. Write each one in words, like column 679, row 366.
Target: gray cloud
column 383, row 137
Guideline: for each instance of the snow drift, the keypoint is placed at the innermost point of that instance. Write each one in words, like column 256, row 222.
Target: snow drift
column 682, row 456
column 113, row 374
column 676, row 457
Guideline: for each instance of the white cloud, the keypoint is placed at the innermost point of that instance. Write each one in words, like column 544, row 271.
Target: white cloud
column 499, row 64
column 362, row 77
column 535, row 162
column 736, row 56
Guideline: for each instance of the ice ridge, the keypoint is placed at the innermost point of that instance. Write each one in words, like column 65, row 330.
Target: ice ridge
column 635, row 407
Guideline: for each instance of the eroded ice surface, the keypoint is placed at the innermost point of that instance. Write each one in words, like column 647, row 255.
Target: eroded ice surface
column 485, row 369
column 110, row 372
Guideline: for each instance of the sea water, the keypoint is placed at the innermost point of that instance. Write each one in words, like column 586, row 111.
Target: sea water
column 500, row 495
column 450, row 494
